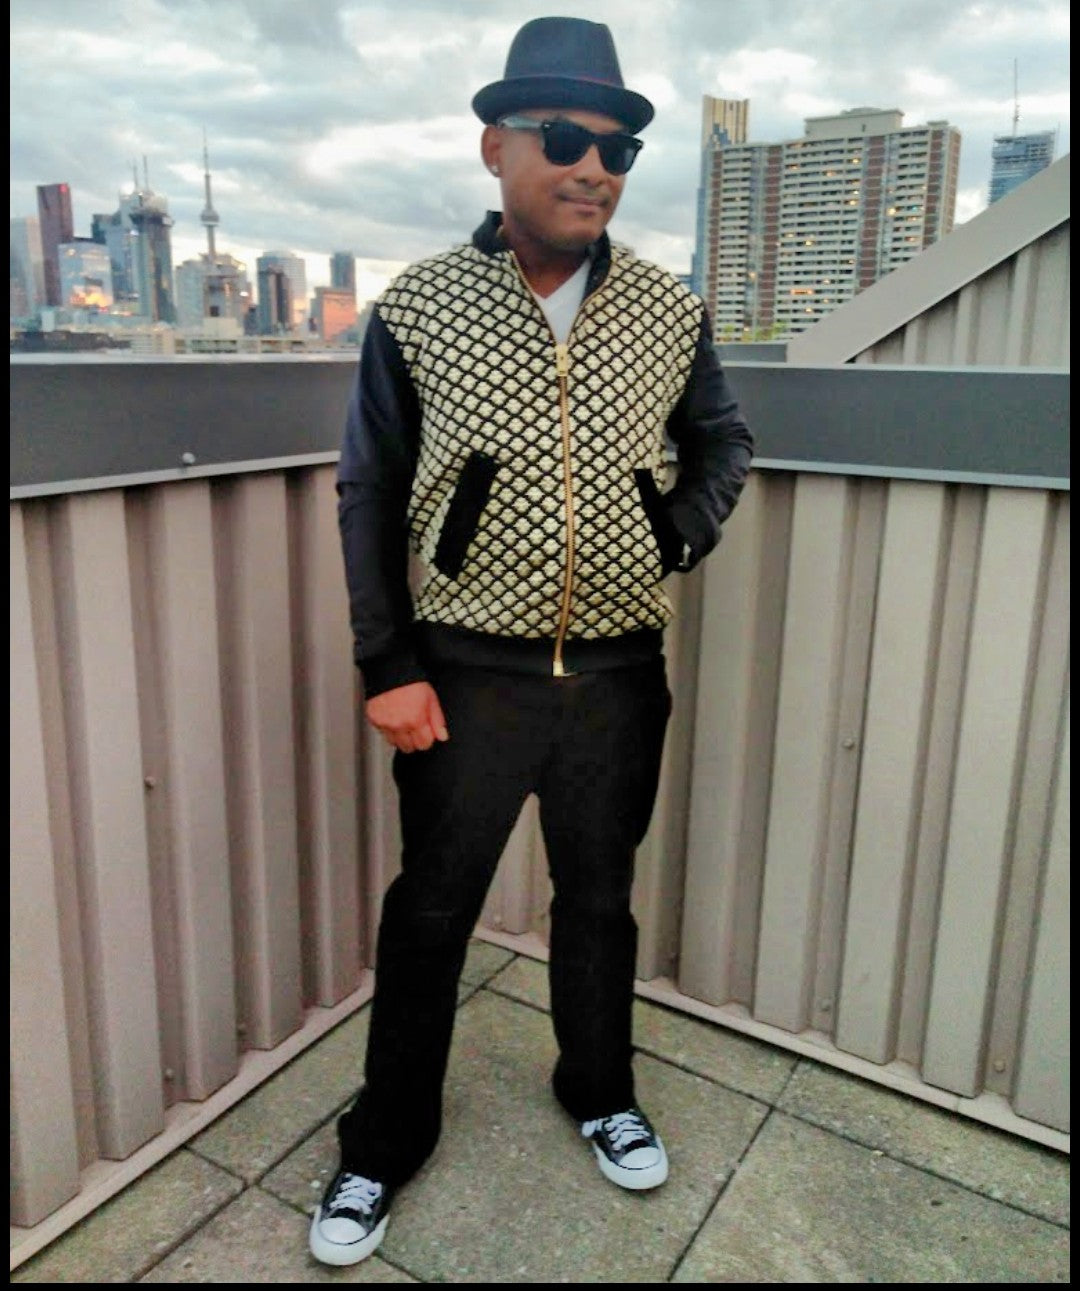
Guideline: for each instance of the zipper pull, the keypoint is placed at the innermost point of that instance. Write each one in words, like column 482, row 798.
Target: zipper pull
column 562, row 360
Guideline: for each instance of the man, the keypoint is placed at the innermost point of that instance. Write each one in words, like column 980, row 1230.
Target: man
column 508, row 425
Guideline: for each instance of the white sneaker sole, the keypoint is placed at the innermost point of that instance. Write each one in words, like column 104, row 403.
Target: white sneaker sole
column 341, row 1255
column 637, row 1180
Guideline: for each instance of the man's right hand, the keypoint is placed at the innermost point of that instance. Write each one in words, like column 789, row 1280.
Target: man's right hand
column 410, row 718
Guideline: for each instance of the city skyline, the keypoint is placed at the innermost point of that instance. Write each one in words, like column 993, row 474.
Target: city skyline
column 328, row 127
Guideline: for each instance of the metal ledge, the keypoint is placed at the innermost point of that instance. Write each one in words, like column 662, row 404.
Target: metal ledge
column 99, row 423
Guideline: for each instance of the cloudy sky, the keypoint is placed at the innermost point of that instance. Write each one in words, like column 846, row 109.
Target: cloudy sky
column 345, row 124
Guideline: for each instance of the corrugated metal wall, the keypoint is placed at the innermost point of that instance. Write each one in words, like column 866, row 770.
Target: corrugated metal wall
column 866, row 804
column 862, row 833
column 186, row 817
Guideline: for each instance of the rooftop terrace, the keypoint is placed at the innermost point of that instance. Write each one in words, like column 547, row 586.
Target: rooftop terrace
column 853, row 899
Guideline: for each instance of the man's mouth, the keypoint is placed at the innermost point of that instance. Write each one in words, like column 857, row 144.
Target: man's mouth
column 579, row 199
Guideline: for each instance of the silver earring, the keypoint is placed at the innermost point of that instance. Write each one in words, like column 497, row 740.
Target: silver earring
column 494, row 170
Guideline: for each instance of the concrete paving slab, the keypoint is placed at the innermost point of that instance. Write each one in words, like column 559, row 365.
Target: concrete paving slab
column 525, row 980
column 805, row 1206
column 484, row 960
column 138, row 1226
column 513, row 1193
column 737, row 1061
column 740, row 1062
column 1002, row 1166
column 259, row 1239
column 266, row 1125
column 300, row 1180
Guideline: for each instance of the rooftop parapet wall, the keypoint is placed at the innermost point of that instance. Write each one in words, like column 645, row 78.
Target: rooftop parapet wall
column 99, row 423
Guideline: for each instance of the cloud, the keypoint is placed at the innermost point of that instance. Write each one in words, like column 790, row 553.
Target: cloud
column 345, row 124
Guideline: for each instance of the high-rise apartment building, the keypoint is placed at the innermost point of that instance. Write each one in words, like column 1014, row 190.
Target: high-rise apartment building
column 789, row 231
column 147, row 216
column 1016, row 158
column 295, row 271
column 139, row 241
column 57, row 225
column 85, row 275
column 343, row 272
column 190, row 279
column 275, row 308
column 724, row 120
column 223, row 293
column 27, row 269
column 334, row 313
column 114, row 232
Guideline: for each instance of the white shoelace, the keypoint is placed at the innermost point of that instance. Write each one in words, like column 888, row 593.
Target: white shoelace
column 355, row 1193
column 621, row 1129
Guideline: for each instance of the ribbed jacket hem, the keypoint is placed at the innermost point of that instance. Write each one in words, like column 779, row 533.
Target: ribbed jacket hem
column 437, row 644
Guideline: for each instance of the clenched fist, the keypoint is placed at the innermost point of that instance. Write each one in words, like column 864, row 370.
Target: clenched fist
column 409, row 717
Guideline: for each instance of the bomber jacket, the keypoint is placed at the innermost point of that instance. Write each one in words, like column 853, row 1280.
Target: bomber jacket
column 526, row 476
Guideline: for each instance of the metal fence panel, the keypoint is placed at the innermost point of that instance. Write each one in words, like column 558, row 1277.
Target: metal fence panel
column 861, row 838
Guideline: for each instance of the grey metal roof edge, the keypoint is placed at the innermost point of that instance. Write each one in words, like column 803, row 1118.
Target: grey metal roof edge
column 914, row 370
column 1018, row 219
column 53, row 488
column 18, row 492
column 225, row 358
column 1041, row 482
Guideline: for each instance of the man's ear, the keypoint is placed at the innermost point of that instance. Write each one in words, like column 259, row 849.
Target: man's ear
column 491, row 149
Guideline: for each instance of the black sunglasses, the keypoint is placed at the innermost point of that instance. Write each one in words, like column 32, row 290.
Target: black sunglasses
column 565, row 142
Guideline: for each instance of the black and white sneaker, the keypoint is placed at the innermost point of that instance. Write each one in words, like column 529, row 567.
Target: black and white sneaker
column 350, row 1221
column 628, row 1149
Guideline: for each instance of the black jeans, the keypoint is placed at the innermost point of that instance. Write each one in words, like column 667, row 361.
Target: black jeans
column 589, row 747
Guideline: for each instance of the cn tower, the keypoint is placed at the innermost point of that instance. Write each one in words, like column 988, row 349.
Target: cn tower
column 209, row 216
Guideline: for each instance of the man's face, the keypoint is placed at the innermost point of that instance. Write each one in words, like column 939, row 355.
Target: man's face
column 560, row 207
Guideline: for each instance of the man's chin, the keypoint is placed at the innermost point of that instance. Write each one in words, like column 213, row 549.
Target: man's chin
column 566, row 236
column 576, row 244
column 578, row 237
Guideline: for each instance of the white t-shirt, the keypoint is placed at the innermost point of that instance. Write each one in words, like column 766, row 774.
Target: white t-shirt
column 563, row 303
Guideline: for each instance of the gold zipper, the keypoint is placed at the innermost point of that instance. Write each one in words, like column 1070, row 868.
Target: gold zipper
column 562, row 369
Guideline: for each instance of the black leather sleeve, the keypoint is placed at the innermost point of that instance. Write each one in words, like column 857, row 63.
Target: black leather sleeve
column 714, row 447
column 375, row 474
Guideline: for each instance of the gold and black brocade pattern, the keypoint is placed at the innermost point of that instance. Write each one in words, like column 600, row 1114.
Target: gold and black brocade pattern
column 483, row 361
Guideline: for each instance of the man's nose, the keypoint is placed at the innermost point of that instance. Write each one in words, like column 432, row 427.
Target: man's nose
column 590, row 168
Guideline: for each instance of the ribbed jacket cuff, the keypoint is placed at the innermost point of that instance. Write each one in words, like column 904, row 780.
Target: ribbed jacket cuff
column 389, row 671
column 694, row 533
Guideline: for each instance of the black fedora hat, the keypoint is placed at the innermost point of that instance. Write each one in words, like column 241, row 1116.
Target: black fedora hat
column 563, row 63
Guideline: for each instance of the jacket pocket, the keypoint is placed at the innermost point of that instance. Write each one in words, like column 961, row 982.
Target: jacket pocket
column 463, row 515
column 668, row 542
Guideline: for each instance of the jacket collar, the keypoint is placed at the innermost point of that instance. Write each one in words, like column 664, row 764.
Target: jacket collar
column 488, row 239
